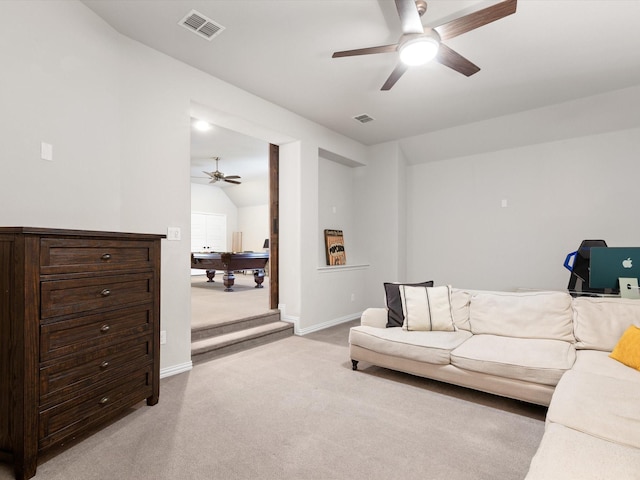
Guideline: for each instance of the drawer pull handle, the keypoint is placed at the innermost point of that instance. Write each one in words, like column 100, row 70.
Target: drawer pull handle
column 104, row 328
column 105, row 293
column 104, row 365
column 104, row 400
column 106, row 257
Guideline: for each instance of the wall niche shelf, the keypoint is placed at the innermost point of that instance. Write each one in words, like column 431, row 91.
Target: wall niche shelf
column 335, row 268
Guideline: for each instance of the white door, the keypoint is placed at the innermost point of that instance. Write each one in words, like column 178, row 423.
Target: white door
column 208, row 234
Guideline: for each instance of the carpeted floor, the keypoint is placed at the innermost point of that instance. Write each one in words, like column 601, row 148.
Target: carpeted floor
column 211, row 305
column 294, row 409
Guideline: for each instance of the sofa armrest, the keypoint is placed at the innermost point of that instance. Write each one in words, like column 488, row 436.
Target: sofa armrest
column 374, row 317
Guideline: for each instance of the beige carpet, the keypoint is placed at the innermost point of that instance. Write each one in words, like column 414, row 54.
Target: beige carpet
column 294, row 409
column 211, row 305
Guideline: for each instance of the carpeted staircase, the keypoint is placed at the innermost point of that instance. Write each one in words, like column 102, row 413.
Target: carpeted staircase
column 208, row 342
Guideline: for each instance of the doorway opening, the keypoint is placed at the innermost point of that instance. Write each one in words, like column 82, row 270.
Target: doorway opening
column 238, row 216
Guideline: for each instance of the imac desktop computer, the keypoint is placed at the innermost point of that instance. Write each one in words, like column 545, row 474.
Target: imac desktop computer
column 609, row 264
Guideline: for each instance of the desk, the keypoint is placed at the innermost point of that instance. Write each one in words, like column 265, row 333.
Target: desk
column 229, row 263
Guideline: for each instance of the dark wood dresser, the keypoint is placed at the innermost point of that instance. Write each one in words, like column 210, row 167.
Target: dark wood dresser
column 79, row 334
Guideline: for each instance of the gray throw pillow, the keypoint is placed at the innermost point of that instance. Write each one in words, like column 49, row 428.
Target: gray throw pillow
column 395, row 318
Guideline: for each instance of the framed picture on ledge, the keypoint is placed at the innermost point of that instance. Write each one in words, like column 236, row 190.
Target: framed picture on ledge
column 334, row 247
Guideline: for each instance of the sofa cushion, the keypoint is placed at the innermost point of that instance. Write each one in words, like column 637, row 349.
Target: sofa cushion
column 395, row 318
column 427, row 308
column 430, row 347
column 523, row 314
column 599, row 362
column 460, row 303
column 598, row 405
column 374, row 317
column 599, row 322
column 540, row 361
column 569, row 454
column 627, row 350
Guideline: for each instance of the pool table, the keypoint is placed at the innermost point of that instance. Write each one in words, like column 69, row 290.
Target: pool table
column 229, row 263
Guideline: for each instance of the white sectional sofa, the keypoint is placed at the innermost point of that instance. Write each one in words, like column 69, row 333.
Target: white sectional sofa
column 546, row 348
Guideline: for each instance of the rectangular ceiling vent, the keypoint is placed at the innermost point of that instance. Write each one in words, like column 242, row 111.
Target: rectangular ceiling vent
column 201, row 25
column 364, row 118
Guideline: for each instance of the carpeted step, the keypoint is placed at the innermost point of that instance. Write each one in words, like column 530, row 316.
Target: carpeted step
column 233, row 342
column 200, row 333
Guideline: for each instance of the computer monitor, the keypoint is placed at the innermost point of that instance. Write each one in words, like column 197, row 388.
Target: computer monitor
column 609, row 264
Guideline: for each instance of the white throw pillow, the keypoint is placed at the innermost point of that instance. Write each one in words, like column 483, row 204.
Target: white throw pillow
column 427, row 308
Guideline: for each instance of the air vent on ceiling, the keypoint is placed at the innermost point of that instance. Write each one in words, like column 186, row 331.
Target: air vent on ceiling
column 364, row 118
column 201, row 25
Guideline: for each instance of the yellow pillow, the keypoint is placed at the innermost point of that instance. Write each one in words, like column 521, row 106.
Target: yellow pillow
column 627, row 350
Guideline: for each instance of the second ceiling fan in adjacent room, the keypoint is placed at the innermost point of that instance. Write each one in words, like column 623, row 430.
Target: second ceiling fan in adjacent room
column 217, row 175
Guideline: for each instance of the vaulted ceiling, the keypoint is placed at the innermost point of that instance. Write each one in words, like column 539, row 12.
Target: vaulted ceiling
column 239, row 155
column 547, row 52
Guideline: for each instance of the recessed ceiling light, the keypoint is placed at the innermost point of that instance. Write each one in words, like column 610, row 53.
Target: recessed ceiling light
column 201, row 125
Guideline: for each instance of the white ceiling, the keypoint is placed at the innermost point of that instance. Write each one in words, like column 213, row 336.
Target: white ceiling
column 239, row 155
column 548, row 52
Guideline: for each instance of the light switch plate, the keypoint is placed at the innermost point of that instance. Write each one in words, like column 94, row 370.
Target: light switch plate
column 173, row 233
column 46, row 151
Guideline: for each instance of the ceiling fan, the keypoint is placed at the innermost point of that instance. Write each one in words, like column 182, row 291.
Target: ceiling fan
column 218, row 175
column 418, row 44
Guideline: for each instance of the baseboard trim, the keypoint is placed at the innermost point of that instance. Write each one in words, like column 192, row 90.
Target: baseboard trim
column 176, row 369
column 288, row 318
column 314, row 328
column 330, row 323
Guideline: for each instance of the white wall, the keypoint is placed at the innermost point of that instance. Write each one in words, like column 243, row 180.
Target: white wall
column 336, row 208
column 164, row 94
column 253, row 222
column 118, row 116
column 290, row 232
column 557, row 194
column 59, row 86
column 380, row 219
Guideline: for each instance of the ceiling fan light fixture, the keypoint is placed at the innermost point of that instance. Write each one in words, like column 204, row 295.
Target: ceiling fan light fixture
column 419, row 51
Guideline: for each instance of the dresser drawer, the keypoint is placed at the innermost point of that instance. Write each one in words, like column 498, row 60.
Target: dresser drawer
column 68, row 255
column 64, row 297
column 65, row 377
column 78, row 334
column 89, row 409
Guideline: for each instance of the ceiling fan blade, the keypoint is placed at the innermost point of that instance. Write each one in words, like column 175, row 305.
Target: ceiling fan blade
column 366, row 51
column 476, row 19
column 395, row 76
column 232, row 176
column 232, row 181
column 409, row 16
column 452, row 59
